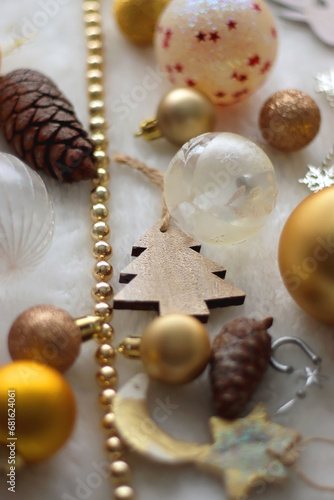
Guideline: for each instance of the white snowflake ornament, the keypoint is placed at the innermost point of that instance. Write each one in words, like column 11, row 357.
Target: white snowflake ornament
column 318, row 178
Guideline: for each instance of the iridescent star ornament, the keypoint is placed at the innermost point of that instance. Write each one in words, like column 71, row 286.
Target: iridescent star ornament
column 245, row 452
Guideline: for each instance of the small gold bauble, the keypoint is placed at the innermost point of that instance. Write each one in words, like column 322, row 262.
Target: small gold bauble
column 289, row 120
column 175, row 349
column 44, row 409
column 185, row 113
column 306, row 255
column 138, row 18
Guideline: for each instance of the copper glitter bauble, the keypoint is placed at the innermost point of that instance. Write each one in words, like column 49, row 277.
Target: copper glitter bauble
column 289, row 120
column 137, row 18
column 45, row 334
column 306, row 255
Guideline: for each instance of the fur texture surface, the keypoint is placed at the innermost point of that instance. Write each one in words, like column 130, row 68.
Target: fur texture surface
column 56, row 47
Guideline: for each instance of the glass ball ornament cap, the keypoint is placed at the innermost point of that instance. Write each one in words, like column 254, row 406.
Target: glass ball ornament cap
column 26, row 216
column 220, row 188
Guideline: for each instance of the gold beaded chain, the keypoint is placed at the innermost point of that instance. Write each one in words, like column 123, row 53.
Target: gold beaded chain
column 102, row 292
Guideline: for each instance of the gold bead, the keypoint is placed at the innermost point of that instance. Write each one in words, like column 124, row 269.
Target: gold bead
column 45, row 409
column 94, row 32
column 100, row 195
column 97, row 123
column 99, row 140
column 95, row 76
column 175, row 348
column 102, row 250
column 92, row 19
column 104, row 311
column 114, row 447
column 102, row 292
column 101, row 158
column 138, row 18
column 106, row 334
column 45, row 334
column 102, row 271
column 96, row 107
column 289, row 120
column 101, row 177
column 99, row 231
column 91, row 6
column 107, row 397
column 107, row 376
column 124, row 493
column 99, row 212
column 185, row 113
column 108, row 422
column 105, row 354
column 306, row 255
column 120, row 473
column 95, row 47
column 95, row 91
column 95, row 62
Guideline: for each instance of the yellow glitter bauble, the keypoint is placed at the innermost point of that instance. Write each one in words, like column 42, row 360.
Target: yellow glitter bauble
column 138, row 18
column 41, row 404
column 289, row 120
column 306, row 255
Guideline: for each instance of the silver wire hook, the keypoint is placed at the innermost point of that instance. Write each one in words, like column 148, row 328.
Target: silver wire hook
column 291, row 340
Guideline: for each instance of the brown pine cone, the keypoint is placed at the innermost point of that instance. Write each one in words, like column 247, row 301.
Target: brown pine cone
column 41, row 125
column 240, row 356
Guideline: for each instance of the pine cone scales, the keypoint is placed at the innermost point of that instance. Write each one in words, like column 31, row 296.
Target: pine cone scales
column 41, row 125
column 240, row 356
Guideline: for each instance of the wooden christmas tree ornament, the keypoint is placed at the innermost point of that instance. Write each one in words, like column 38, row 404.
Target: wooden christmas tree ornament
column 170, row 275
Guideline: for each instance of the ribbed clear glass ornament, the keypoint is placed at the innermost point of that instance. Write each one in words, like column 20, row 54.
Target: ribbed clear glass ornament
column 26, row 216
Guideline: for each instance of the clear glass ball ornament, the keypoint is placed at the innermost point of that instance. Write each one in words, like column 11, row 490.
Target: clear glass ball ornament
column 220, row 188
column 26, row 216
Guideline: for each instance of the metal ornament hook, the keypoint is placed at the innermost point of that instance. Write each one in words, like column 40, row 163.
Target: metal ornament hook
column 292, row 340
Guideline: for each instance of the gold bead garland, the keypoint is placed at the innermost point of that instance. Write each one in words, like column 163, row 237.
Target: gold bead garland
column 102, row 292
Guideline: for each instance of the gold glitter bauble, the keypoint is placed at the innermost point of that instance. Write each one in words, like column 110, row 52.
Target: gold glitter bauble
column 306, row 255
column 44, row 409
column 289, row 120
column 175, row 349
column 137, row 18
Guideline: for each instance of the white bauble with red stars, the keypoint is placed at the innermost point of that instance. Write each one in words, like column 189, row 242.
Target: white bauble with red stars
column 225, row 48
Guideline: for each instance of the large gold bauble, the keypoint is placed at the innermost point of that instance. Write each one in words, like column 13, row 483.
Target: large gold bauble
column 185, row 113
column 44, row 409
column 175, row 349
column 289, row 120
column 138, row 18
column 306, row 255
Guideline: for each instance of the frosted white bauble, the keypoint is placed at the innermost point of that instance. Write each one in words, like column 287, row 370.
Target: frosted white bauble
column 220, row 188
column 26, row 216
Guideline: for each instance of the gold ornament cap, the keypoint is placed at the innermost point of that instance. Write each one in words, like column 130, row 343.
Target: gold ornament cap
column 289, row 120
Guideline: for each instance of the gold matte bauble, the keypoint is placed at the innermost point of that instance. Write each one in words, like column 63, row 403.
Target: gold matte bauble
column 44, row 409
column 175, row 349
column 138, row 18
column 46, row 334
column 289, row 120
column 185, row 113
column 306, row 255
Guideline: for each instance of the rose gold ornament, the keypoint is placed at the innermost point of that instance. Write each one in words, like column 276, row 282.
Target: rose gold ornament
column 224, row 48
column 49, row 335
column 289, row 120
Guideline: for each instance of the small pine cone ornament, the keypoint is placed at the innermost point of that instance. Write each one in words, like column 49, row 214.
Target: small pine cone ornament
column 41, row 125
column 240, row 357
